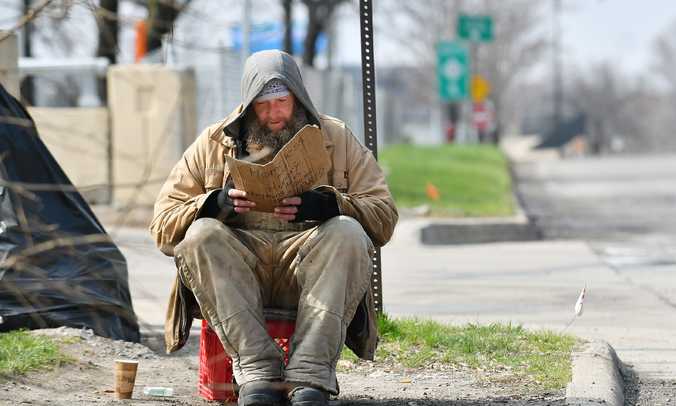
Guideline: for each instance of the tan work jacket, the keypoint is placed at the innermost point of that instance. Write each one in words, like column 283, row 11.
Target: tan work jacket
column 354, row 176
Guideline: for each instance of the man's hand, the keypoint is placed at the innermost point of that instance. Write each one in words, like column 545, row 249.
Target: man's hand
column 290, row 208
column 238, row 200
column 311, row 205
column 226, row 203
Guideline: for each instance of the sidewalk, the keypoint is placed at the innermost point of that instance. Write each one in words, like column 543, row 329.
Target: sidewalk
column 534, row 284
column 631, row 293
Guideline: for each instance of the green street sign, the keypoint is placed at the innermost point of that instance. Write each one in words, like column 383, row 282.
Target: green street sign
column 453, row 71
column 475, row 28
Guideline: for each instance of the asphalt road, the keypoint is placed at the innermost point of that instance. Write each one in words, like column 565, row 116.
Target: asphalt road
column 624, row 208
column 622, row 199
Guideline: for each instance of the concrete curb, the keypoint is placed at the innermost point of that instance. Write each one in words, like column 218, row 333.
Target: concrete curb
column 480, row 230
column 484, row 230
column 597, row 379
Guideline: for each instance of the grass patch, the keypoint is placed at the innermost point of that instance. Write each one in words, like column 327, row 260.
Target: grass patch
column 21, row 351
column 542, row 357
column 472, row 180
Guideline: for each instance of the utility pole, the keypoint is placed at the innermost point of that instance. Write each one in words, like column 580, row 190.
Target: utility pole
column 246, row 30
column 558, row 74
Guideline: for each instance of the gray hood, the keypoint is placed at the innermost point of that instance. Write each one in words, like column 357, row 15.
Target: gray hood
column 259, row 69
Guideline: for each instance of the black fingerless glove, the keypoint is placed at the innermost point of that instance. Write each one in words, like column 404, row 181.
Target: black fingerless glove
column 317, row 205
column 219, row 204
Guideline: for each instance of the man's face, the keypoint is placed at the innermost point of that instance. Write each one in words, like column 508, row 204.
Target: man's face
column 275, row 113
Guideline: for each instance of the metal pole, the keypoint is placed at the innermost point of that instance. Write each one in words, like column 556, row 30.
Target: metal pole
column 474, row 69
column 246, row 29
column 370, row 127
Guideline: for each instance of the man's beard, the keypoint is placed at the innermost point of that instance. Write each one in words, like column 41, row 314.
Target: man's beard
column 260, row 134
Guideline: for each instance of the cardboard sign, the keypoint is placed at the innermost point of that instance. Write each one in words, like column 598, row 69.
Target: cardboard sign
column 298, row 167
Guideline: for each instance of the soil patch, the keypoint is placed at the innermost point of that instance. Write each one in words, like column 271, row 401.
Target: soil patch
column 88, row 380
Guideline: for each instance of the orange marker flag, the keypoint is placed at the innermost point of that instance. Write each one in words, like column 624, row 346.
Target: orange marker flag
column 141, row 44
column 432, row 191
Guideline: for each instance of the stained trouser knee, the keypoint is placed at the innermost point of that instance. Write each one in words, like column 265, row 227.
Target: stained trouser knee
column 339, row 236
column 219, row 269
column 333, row 272
column 345, row 228
column 201, row 232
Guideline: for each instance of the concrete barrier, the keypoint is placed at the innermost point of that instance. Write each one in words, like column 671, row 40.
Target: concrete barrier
column 153, row 120
column 9, row 64
column 78, row 138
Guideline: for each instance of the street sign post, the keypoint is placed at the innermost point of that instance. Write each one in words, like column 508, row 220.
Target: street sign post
column 453, row 71
column 475, row 28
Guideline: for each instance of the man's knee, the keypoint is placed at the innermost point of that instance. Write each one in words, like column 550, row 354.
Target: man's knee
column 344, row 228
column 202, row 232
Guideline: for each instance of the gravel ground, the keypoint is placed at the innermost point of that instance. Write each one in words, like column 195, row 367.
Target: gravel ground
column 89, row 380
column 647, row 392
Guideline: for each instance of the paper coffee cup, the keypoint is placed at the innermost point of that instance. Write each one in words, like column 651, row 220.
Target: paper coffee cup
column 125, row 376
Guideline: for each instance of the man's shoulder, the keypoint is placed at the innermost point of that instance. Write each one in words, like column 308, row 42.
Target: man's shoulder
column 334, row 129
column 331, row 122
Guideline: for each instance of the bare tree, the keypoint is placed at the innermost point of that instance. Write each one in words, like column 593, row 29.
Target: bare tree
column 287, row 5
column 161, row 17
column 418, row 25
column 629, row 113
column 108, row 43
column 623, row 112
column 665, row 55
column 664, row 94
column 108, row 30
column 320, row 13
column 516, row 49
column 27, row 85
column 600, row 96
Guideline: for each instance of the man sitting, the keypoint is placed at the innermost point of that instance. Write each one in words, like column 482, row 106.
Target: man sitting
column 312, row 255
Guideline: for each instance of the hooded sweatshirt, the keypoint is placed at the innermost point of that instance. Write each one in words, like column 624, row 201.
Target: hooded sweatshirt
column 355, row 177
column 259, row 69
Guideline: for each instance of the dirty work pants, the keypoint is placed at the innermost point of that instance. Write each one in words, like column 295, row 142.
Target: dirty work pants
column 322, row 273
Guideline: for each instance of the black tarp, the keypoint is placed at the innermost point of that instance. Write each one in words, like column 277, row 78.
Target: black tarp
column 58, row 266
